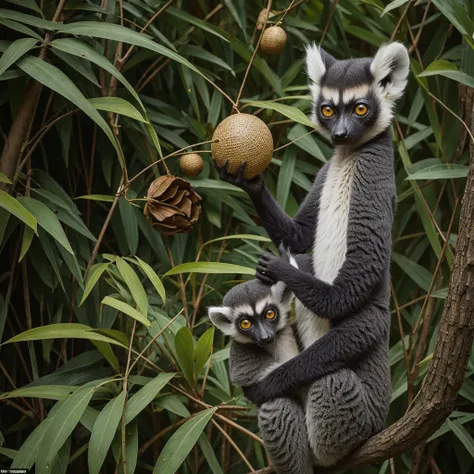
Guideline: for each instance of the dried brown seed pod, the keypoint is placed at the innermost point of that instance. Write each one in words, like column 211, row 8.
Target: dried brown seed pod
column 172, row 205
column 191, row 164
column 262, row 16
column 243, row 137
column 273, row 40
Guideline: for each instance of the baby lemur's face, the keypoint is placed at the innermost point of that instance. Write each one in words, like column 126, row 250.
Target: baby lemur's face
column 253, row 313
column 353, row 99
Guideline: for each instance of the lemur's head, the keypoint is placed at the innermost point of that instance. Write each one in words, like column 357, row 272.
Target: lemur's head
column 253, row 312
column 353, row 99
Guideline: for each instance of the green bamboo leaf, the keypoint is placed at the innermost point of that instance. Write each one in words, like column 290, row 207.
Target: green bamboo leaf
column 153, row 277
column 47, row 220
column 14, row 25
column 4, row 179
column 441, row 171
column 109, row 355
column 56, row 80
column 103, row 432
column 29, row 19
column 126, row 309
column 97, row 197
column 62, row 424
column 288, row 111
column 285, row 176
column 130, row 224
column 61, row 331
column 9, row 453
column 209, row 454
column 48, row 392
column 93, row 276
column 392, row 5
column 202, row 351
column 82, row 66
column 258, row 238
column 145, row 396
column 30, row 4
column 134, row 285
column 26, row 242
column 117, row 106
column 210, row 267
column 181, row 443
column 15, row 51
column 10, row 204
column 184, row 345
column 444, row 68
column 306, row 142
column 463, row 435
column 83, row 50
column 420, row 275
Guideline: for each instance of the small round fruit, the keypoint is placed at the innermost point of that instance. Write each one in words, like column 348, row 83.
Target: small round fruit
column 191, row 164
column 243, row 137
column 273, row 40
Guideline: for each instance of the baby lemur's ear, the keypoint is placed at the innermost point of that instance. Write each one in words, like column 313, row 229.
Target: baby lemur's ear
column 221, row 317
column 281, row 293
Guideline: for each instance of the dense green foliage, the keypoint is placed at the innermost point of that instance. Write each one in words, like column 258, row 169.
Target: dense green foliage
column 115, row 346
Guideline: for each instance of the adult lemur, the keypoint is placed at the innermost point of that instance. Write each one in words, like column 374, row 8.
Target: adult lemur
column 256, row 317
column 343, row 289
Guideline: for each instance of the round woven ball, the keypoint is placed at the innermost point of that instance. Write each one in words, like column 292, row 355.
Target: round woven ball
column 191, row 164
column 243, row 137
column 273, row 40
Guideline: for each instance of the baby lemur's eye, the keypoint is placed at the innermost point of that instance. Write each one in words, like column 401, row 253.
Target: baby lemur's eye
column 327, row 111
column 270, row 314
column 245, row 324
column 361, row 109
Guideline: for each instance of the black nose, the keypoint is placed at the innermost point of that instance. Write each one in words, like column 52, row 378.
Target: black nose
column 266, row 339
column 339, row 134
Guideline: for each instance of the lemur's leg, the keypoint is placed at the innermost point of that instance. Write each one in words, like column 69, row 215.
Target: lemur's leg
column 282, row 425
column 337, row 416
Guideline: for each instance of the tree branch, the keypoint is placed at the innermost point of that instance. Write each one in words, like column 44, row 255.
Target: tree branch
column 437, row 396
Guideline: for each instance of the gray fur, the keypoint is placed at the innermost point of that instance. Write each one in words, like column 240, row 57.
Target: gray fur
column 346, row 367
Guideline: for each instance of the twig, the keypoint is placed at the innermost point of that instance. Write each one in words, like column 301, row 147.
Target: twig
column 328, row 23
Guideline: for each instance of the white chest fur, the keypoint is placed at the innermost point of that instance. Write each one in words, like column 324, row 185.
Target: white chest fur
column 330, row 244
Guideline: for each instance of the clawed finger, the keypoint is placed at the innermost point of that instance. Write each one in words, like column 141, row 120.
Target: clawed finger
column 265, row 280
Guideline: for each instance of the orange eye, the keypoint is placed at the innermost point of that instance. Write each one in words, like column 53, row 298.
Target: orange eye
column 327, row 111
column 361, row 109
column 245, row 324
column 270, row 314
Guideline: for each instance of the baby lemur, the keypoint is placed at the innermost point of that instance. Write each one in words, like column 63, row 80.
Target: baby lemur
column 256, row 317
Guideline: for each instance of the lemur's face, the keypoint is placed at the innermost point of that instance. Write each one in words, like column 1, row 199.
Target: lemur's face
column 253, row 313
column 353, row 99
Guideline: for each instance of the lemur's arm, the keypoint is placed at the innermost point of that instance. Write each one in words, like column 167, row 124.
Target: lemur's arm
column 295, row 234
column 342, row 344
column 249, row 364
column 366, row 264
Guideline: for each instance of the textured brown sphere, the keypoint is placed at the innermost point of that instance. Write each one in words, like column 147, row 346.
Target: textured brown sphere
column 191, row 164
column 273, row 40
column 243, row 137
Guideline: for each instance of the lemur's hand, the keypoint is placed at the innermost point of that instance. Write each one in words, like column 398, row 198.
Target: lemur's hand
column 271, row 268
column 267, row 389
column 252, row 186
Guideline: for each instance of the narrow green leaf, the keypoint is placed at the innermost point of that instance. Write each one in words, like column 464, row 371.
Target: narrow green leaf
column 10, row 204
column 4, row 179
column 103, row 432
column 31, row 4
column 97, row 197
column 48, row 392
column 153, row 277
column 181, row 443
column 20, row 27
column 29, row 19
column 56, row 80
column 258, row 238
column 444, row 68
column 184, row 345
column 285, row 177
column 393, row 5
column 60, row 331
column 210, row 267
column 82, row 66
column 106, row 350
column 62, row 424
column 47, row 220
column 117, row 106
column 202, row 351
column 145, row 396
column 130, row 224
column 93, row 276
column 126, row 309
column 416, row 272
column 15, row 51
column 441, row 171
column 26, row 242
column 209, row 454
column 289, row 111
column 134, row 285
column 463, row 435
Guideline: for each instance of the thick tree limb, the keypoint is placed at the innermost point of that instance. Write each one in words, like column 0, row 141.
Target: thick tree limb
column 437, row 396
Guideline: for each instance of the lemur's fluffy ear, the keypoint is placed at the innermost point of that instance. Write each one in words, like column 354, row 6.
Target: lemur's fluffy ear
column 221, row 317
column 281, row 293
column 390, row 69
column 317, row 63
